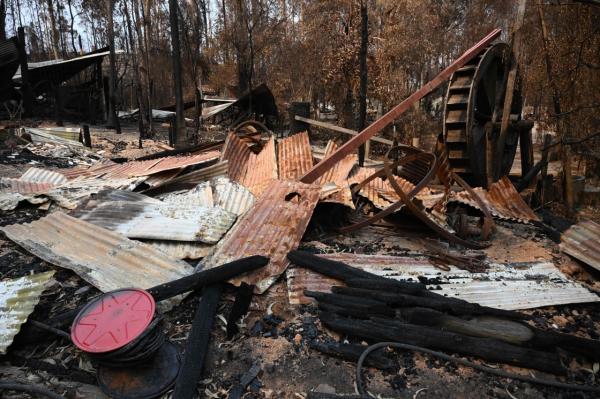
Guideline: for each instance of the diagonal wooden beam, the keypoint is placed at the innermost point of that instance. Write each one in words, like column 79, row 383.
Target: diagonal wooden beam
column 353, row 144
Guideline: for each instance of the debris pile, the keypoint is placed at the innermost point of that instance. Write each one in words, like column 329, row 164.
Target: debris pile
column 401, row 253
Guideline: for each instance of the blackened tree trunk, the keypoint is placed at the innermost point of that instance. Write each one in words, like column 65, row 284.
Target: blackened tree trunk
column 113, row 121
column 71, row 29
column 2, row 19
column 180, row 130
column 53, row 27
column 362, row 95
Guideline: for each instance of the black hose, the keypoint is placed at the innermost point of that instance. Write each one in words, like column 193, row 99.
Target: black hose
column 360, row 387
column 31, row 389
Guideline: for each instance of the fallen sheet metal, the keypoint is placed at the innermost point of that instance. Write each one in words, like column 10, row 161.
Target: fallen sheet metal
column 74, row 192
column 106, row 260
column 231, row 196
column 37, row 175
column 338, row 177
column 262, row 169
column 199, row 196
column 254, row 171
column 504, row 286
column 160, row 221
column 294, row 156
column 12, row 185
column 237, row 153
column 272, row 227
column 502, row 199
column 582, row 241
column 190, row 180
column 181, row 249
column 49, row 136
column 18, row 297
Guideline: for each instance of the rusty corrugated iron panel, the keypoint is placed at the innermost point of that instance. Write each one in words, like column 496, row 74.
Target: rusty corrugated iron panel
column 262, row 169
column 104, row 259
column 179, row 162
column 190, row 180
column 503, row 286
column 272, row 227
column 582, row 241
column 18, row 297
column 37, row 175
column 12, row 185
column 78, row 171
column 162, row 177
column 294, row 156
column 339, row 173
column 160, row 221
column 237, row 153
column 502, row 199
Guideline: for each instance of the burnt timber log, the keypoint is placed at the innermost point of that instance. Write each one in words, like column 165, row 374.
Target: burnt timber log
column 383, row 330
column 196, row 347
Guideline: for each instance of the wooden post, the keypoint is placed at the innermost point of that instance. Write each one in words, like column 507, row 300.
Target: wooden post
column 510, row 86
column 526, row 143
column 544, row 172
column 87, row 138
column 180, row 128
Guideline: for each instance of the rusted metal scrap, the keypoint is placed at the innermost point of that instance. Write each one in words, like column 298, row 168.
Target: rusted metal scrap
column 294, row 156
column 272, row 227
column 352, row 145
column 582, row 241
column 502, row 199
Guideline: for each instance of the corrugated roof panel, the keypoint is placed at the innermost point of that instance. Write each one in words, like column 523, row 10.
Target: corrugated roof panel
column 200, row 196
column 37, row 175
column 237, row 153
column 190, row 180
column 231, row 196
column 504, row 286
column 172, row 222
column 178, row 162
column 262, row 169
column 339, row 173
column 12, row 185
column 294, row 156
column 158, row 179
column 106, row 260
column 47, row 136
column 18, row 298
column 182, row 250
column 582, row 241
column 502, row 199
column 272, row 227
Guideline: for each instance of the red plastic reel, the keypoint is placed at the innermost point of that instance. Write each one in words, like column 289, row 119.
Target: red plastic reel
column 113, row 320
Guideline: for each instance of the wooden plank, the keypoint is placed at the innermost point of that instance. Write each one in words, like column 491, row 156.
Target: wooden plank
column 352, row 145
column 335, row 128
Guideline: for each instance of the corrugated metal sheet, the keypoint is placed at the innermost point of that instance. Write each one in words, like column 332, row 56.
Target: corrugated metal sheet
column 272, row 227
column 178, row 162
column 171, row 222
column 163, row 177
column 18, row 297
column 12, row 185
column 182, row 250
column 294, row 156
column 106, row 260
column 74, row 192
column 37, row 175
column 9, row 201
column 190, row 180
column 254, row 171
column 503, row 286
column 200, row 196
column 237, row 153
column 341, row 170
column 502, row 199
column 582, row 241
column 46, row 136
column 231, row 196
column 89, row 171
column 122, row 195
column 262, row 169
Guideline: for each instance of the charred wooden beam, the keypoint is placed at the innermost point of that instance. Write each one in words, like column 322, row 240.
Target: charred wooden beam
column 196, row 347
column 352, row 304
column 356, row 312
column 387, row 285
column 352, row 353
column 382, row 330
column 243, row 298
column 438, row 302
column 246, row 379
column 327, row 267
